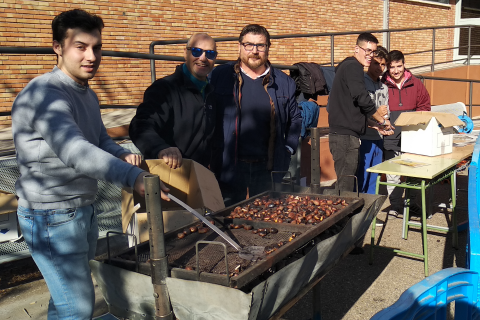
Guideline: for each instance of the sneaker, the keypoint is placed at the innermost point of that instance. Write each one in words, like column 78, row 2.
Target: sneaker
column 379, row 223
column 392, row 214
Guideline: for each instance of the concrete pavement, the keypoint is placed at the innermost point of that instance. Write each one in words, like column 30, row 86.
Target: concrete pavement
column 353, row 290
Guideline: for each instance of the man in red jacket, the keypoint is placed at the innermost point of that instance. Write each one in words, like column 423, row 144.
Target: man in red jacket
column 406, row 94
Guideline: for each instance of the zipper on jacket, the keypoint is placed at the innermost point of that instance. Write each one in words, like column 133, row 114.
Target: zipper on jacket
column 237, row 107
column 400, row 104
column 205, row 115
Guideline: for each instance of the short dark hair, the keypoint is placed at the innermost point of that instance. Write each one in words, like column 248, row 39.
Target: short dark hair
column 73, row 19
column 383, row 54
column 255, row 29
column 397, row 55
column 366, row 37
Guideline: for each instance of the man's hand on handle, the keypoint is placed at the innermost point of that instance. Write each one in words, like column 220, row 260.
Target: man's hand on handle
column 140, row 187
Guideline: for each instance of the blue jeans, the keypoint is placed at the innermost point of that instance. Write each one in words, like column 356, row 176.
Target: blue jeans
column 371, row 153
column 61, row 242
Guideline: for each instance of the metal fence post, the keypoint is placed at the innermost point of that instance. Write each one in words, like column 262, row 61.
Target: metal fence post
column 152, row 63
column 433, row 50
column 315, row 160
column 158, row 257
column 470, row 102
column 389, row 34
column 469, row 44
column 332, row 50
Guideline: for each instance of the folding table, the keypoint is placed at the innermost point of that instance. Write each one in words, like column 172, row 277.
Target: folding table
column 434, row 170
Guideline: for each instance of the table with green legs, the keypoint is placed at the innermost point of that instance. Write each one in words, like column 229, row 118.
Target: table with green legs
column 434, row 170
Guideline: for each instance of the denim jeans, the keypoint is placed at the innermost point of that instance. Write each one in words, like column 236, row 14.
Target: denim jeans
column 344, row 150
column 61, row 242
column 371, row 154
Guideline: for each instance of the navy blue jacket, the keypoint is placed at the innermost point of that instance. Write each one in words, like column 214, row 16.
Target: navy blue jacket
column 288, row 120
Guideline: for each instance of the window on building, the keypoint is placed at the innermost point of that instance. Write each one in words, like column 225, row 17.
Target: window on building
column 440, row 1
column 474, row 41
column 470, row 9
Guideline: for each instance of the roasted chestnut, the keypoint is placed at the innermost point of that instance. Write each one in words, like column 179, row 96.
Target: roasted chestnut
column 262, row 233
column 273, row 230
column 202, row 230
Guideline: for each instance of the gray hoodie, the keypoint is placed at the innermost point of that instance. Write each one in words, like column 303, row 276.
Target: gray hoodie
column 379, row 94
column 62, row 145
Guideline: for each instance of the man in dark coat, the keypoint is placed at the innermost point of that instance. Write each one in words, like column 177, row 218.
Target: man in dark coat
column 261, row 119
column 178, row 116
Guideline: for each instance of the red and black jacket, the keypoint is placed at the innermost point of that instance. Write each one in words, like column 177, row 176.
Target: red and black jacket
column 411, row 96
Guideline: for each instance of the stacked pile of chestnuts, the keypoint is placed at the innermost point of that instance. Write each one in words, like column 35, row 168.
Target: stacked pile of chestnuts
column 288, row 209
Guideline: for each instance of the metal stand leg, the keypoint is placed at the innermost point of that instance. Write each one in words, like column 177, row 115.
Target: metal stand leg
column 406, row 214
column 317, row 314
column 424, row 229
column 158, row 256
column 453, row 180
column 374, row 223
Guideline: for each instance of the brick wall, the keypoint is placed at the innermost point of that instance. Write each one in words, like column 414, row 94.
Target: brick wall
column 131, row 25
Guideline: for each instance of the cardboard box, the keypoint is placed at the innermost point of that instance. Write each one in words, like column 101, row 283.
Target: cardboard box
column 427, row 133
column 192, row 183
column 9, row 229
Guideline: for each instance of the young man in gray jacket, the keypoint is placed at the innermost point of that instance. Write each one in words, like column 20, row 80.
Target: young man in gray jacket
column 62, row 149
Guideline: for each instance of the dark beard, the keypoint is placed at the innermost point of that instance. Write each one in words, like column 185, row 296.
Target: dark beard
column 256, row 64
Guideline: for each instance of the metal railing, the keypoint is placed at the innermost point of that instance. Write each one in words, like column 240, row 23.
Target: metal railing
column 332, row 35
column 471, row 82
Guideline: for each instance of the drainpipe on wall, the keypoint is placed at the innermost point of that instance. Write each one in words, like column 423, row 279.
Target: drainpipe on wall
column 386, row 35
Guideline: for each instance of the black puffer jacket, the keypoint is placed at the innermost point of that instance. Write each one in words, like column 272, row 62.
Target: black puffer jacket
column 174, row 114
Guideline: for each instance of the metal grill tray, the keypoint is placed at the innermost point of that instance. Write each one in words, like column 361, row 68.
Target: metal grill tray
column 211, row 257
column 251, row 270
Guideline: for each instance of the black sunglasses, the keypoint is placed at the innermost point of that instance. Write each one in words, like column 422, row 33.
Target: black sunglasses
column 197, row 53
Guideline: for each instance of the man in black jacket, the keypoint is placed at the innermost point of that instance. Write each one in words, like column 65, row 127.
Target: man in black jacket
column 177, row 118
column 349, row 106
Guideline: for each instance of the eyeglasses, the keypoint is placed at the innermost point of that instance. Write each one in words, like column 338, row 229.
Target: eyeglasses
column 261, row 47
column 370, row 52
column 197, row 53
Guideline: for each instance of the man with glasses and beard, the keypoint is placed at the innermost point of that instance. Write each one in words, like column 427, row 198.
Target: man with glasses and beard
column 178, row 116
column 349, row 107
column 261, row 119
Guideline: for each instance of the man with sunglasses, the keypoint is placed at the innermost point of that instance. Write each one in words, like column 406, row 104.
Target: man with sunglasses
column 349, row 107
column 261, row 119
column 177, row 118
